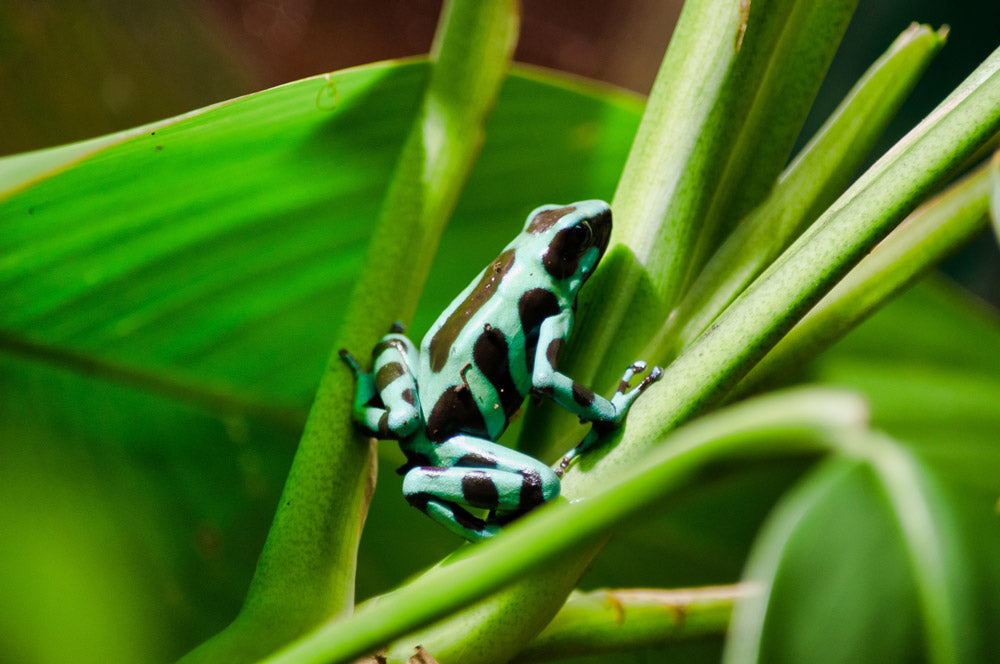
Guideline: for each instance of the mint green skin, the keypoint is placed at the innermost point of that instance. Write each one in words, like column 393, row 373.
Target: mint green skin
column 498, row 341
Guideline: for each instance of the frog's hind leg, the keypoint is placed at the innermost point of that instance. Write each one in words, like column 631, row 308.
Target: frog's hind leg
column 385, row 401
column 481, row 474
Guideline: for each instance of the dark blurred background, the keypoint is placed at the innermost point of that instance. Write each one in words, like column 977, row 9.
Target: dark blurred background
column 70, row 71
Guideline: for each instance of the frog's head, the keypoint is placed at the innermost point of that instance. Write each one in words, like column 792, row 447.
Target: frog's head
column 570, row 239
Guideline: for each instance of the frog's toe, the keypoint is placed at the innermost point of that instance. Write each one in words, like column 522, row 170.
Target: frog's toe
column 350, row 360
column 655, row 374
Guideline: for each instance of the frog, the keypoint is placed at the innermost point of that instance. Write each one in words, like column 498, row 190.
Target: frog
column 498, row 342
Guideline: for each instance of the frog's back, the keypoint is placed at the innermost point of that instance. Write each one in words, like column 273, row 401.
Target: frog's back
column 476, row 360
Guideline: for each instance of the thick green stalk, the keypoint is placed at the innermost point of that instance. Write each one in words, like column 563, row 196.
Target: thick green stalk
column 607, row 621
column 791, row 75
column 811, row 183
column 803, row 421
column 730, row 68
column 928, row 235
column 995, row 194
column 800, row 277
column 722, row 75
column 306, row 571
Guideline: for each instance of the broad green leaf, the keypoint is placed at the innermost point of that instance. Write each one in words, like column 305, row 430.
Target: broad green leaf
column 928, row 364
column 829, row 564
column 900, row 567
column 216, row 253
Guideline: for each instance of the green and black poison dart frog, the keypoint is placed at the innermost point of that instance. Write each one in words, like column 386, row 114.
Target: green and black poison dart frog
column 495, row 343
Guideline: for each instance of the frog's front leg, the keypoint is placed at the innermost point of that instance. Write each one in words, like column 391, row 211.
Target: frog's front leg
column 574, row 397
column 386, row 404
column 481, row 474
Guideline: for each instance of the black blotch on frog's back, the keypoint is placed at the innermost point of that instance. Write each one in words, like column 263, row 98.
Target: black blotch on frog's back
column 455, row 412
column 491, row 354
column 535, row 306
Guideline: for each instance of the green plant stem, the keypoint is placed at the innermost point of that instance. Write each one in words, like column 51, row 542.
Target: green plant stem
column 811, row 183
column 789, row 75
column 729, row 69
column 803, row 421
column 306, row 571
column 724, row 73
column 800, row 277
column 995, row 194
column 605, row 621
column 924, row 238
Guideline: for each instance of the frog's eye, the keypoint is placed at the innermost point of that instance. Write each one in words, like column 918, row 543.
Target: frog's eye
column 579, row 238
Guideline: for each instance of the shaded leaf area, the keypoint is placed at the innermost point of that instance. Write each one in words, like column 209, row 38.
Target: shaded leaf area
column 167, row 305
column 120, row 503
column 852, row 553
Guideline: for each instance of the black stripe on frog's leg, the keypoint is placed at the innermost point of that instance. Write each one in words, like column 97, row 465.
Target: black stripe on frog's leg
column 552, row 352
column 479, row 490
column 443, row 339
column 491, row 354
column 422, row 501
column 582, row 395
column 533, row 307
column 545, row 219
column 388, row 373
column 531, row 490
column 383, row 426
column 474, row 460
column 386, row 344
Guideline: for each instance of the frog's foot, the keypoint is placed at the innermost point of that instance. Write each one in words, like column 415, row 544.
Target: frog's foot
column 385, row 401
column 626, row 395
column 622, row 400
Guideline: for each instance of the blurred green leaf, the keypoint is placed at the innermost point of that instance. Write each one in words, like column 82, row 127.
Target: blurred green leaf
column 829, row 562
